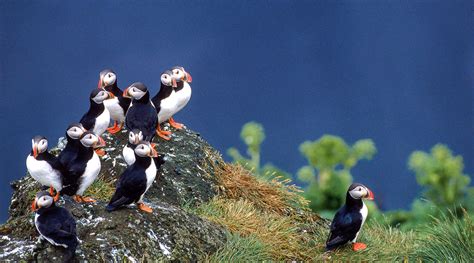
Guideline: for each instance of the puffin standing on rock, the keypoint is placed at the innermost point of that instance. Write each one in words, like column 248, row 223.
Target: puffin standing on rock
column 55, row 224
column 182, row 92
column 142, row 114
column 119, row 104
column 165, row 102
column 136, row 179
column 44, row 167
column 97, row 118
column 134, row 137
column 83, row 169
column 350, row 218
column 69, row 153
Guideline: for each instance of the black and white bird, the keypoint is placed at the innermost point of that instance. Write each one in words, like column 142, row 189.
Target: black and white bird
column 142, row 114
column 164, row 102
column 119, row 104
column 97, row 118
column 69, row 153
column 136, row 179
column 55, row 224
column 44, row 167
column 182, row 93
column 84, row 167
column 134, row 137
column 350, row 218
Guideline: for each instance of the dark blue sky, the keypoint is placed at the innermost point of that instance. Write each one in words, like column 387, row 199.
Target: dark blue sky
column 399, row 72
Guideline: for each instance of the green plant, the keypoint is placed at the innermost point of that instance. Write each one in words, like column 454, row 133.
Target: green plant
column 328, row 174
column 253, row 135
column 240, row 249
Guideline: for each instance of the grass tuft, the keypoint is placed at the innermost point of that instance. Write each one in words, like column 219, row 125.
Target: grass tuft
column 102, row 189
column 240, row 249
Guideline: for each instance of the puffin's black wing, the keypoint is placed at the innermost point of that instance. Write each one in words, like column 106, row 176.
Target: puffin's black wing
column 131, row 185
column 144, row 118
column 88, row 121
column 160, row 160
column 72, row 177
column 59, row 226
column 344, row 228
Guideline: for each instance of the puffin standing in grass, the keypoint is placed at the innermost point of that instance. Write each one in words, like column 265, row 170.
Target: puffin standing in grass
column 182, row 92
column 97, row 118
column 134, row 137
column 44, row 167
column 136, row 179
column 164, row 102
column 119, row 104
column 83, row 169
column 350, row 218
column 55, row 224
column 142, row 114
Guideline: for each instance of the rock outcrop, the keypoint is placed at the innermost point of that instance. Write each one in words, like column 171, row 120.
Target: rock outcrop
column 169, row 233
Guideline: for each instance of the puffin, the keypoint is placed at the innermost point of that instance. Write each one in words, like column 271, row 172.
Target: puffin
column 136, row 179
column 44, row 167
column 165, row 102
column 83, row 169
column 134, row 137
column 350, row 218
column 73, row 133
column 182, row 92
column 55, row 224
column 118, row 105
column 142, row 113
column 97, row 118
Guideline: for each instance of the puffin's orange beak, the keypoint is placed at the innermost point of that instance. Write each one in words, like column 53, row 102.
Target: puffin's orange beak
column 33, row 206
column 153, row 152
column 125, row 93
column 189, row 78
column 173, row 83
column 101, row 142
column 370, row 195
column 35, row 150
column 111, row 95
column 99, row 84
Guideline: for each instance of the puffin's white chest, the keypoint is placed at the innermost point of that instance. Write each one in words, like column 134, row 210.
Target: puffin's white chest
column 364, row 212
column 102, row 122
column 183, row 96
column 43, row 173
column 150, row 174
column 168, row 107
column 90, row 174
column 45, row 237
column 116, row 112
column 128, row 155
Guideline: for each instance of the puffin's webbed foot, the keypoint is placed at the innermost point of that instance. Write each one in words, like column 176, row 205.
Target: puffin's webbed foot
column 358, row 246
column 163, row 134
column 116, row 128
column 145, row 208
column 81, row 199
column 100, row 152
column 175, row 125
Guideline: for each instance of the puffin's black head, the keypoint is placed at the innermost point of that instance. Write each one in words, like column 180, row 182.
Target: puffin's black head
column 360, row 191
column 107, row 77
column 135, row 136
column 89, row 139
column 39, row 144
column 145, row 149
column 167, row 79
column 181, row 75
column 43, row 199
column 136, row 91
column 75, row 131
column 99, row 95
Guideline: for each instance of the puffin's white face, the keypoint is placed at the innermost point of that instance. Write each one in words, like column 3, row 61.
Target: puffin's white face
column 360, row 192
column 134, row 92
column 109, row 79
column 44, row 201
column 39, row 146
column 144, row 149
column 75, row 132
column 101, row 96
column 135, row 137
column 181, row 75
column 167, row 79
column 90, row 140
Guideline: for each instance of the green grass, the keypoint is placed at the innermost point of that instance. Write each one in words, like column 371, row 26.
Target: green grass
column 240, row 249
column 449, row 238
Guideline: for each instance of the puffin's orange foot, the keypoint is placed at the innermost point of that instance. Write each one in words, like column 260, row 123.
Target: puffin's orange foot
column 77, row 198
column 100, row 152
column 116, row 128
column 145, row 208
column 358, row 246
column 51, row 193
column 56, row 197
column 163, row 134
column 81, row 199
column 175, row 125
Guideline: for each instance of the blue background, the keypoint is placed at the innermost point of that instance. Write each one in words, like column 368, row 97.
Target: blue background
column 399, row 72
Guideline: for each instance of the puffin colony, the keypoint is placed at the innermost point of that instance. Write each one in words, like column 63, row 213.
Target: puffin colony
column 78, row 164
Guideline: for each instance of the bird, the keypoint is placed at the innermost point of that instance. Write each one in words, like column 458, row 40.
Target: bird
column 136, row 179
column 350, row 218
column 84, row 167
column 119, row 104
column 55, row 224
column 97, row 118
column 44, row 167
column 73, row 133
column 183, row 92
column 134, row 137
column 164, row 102
column 142, row 113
